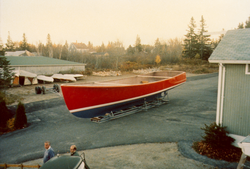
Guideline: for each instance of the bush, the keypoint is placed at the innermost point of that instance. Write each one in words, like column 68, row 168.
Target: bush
column 5, row 115
column 216, row 144
column 216, row 136
column 20, row 118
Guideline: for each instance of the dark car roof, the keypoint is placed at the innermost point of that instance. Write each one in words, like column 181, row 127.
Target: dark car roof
column 62, row 162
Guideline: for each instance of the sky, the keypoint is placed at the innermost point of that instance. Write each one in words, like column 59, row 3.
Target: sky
column 101, row 21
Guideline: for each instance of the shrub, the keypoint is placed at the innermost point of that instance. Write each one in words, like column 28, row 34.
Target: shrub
column 216, row 136
column 5, row 115
column 20, row 118
column 216, row 144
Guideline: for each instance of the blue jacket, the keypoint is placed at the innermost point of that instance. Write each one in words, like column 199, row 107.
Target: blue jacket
column 48, row 154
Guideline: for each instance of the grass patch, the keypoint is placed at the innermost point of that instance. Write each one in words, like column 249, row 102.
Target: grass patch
column 196, row 66
column 10, row 98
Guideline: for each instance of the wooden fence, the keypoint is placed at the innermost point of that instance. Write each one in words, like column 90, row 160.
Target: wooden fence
column 5, row 166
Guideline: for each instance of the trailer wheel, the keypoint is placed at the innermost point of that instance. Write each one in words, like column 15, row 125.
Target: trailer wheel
column 56, row 88
column 43, row 89
column 38, row 90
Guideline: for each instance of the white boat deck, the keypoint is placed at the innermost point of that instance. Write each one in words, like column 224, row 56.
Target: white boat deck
column 135, row 80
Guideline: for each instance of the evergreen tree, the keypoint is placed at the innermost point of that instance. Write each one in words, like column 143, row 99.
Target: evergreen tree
column 204, row 46
column 217, row 136
column 65, row 51
column 90, row 45
column 20, row 118
column 247, row 25
column 5, row 115
column 190, row 42
column 240, row 26
column 1, row 46
column 5, row 73
column 40, row 49
column 138, row 45
column 10, row 44
column 24, row 45
column 157, row 49
column 49, row 47
column 130, row 50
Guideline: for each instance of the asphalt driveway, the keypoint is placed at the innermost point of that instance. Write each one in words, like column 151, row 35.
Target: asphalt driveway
column 191, row 105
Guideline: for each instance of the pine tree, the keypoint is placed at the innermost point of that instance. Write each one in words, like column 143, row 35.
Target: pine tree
column 49, row 47
column 247, row 25
column 5, row 115
column 190, row 42
column 24, row 45
column 157, row 49
column 217, row 137
column 204, row 39
column 138, row 45
column 9, row 44
column 240, row 26
column 20, row 118
column 5, row 73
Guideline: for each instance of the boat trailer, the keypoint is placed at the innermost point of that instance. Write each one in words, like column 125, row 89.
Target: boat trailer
column 43, row 90
column 131, row 110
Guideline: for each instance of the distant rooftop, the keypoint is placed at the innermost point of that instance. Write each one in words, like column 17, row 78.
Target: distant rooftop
column 37, row 61
column 80, row 45
column 233, row 48
column 19, row 53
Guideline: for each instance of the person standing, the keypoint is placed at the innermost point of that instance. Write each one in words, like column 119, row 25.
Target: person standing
column 73, row 151
column 49, row 152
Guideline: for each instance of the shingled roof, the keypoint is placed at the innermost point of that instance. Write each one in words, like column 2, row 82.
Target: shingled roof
column 38, row 61
column 233, row 48
column 80, row 45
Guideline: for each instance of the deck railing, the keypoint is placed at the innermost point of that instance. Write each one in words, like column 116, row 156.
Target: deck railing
column 5, row 166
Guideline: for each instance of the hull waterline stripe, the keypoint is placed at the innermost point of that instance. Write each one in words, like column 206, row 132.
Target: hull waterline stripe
column 121, row 101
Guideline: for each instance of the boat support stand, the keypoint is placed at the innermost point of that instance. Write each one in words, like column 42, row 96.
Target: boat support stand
column 131, row 110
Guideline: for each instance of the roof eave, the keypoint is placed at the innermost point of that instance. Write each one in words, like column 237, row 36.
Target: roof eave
column 230, row 61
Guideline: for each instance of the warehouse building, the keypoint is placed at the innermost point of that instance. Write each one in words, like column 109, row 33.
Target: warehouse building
column 43, row 65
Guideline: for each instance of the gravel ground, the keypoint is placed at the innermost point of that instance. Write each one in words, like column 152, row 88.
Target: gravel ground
column 139, row 156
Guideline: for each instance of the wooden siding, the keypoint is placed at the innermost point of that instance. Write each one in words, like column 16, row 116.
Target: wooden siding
column 236, row 110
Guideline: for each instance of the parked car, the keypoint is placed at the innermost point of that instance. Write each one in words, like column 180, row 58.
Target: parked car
column 65, row 162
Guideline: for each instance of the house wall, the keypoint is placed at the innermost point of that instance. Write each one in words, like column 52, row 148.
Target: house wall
column 47, row 70
column 236, row 109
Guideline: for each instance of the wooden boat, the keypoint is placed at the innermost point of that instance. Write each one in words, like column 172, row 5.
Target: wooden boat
column 89, row 100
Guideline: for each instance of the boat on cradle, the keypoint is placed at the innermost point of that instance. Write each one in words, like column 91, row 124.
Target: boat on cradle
column 77, row 76
column 45, row 79
column 61, row 77
column 94, row 99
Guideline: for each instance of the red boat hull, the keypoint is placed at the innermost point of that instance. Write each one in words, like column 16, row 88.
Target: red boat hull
column 89, row 101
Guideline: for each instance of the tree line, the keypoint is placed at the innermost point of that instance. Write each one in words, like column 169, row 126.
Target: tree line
column 196, row 44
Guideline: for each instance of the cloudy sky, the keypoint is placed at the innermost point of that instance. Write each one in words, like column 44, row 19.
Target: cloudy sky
column 100, row 21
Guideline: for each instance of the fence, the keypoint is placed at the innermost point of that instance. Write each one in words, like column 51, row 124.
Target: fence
column 5, row 166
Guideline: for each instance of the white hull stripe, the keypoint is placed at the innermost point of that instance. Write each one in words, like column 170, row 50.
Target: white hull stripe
column 121, row 101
